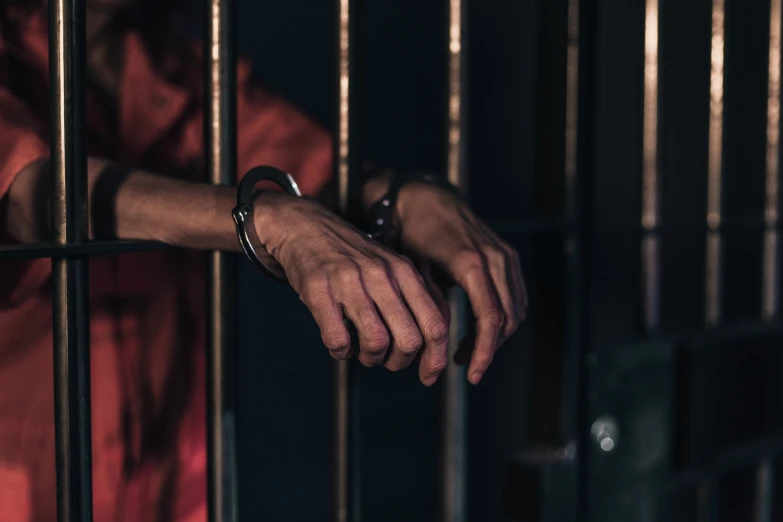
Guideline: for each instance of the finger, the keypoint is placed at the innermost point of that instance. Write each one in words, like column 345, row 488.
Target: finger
column 515, row 279
column 433, row 327
column 434, row 356
column 502, row 279
column 425, row 269
column 360, row 310
column 317, row 296
column 406, row 339
column 471, row 273
column 520, row 288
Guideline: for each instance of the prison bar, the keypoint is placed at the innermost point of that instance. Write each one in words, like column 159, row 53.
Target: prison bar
column 573, row 233
column 36, row 250
column 713, row 276
column 453, row 428
column 770, row 291
column 221, row 166
column 70, row 297
column 345, row 465
column 772, row 211
column 650, row 177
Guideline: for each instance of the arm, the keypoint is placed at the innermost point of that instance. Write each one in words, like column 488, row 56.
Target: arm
column 438, row 228
column 146, row 206
column 337, row 271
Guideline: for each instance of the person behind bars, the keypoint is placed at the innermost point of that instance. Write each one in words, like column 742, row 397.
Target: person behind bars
column 145, row 143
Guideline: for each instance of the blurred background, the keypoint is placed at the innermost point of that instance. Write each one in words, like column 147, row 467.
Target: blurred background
column 633, row 392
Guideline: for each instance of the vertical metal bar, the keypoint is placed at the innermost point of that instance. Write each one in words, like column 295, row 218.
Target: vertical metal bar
column 221, row 165
column 715, row 168
column 346, row 501
column 71, row 297
column 453, row 473
column 573, row 239
column 650, row 177
column 571, row 110
column 771, row 267
column 763, row 501
column 770, row 289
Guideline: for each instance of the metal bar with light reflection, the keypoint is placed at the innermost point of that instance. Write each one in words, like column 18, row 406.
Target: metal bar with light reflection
column 67, row 19
column 345, row 497
column 650, row 178
column 770, row 290
column 713, row 285
column 771, row 264
column 221, row 165
column 453, row 473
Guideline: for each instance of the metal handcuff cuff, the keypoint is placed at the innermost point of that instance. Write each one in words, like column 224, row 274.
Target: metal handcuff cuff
column 382, row 211
column 381, row 225
column 243, row 213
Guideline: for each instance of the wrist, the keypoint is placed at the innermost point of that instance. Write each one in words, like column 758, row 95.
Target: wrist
column 264, row 213
column 269, row 210
column 375, row 188
column 406, row 192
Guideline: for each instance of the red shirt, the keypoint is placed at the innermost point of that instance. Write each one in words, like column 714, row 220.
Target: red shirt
column 147, row 309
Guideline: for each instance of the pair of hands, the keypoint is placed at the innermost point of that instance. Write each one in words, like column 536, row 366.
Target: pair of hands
column 398, row 310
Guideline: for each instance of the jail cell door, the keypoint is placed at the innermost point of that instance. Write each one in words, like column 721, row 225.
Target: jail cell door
column 683, row 372
column 671, row 402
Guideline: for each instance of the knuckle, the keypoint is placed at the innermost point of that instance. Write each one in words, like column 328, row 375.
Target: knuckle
column 335, row 341
column 375, row 270
column 376, row 343
column 469, row 260
column 494, row 318
column 410, row 342
column 314, row 288
column 437, row 331
column 483, row 359
column 511, row 326
column 404, row 266
column 347, row 274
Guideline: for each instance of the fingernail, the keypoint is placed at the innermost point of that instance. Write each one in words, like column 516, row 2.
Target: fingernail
column 475, row 377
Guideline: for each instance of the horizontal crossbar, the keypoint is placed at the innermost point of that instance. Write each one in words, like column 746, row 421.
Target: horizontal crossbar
column 43, row 250
column 740, row 457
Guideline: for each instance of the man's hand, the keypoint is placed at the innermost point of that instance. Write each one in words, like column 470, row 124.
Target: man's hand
column 338, row 272
column 439, row 227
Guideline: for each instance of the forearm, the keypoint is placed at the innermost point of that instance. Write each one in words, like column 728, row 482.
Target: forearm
column 145, row 206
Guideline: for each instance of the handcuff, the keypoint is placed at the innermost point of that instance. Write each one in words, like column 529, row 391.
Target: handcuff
column 381, row 221
column 243, row 213
column 381, row 213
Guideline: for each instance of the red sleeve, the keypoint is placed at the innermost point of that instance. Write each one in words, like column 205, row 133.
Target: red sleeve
column 22, row 142
column 273, row 132
column 270, row 131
